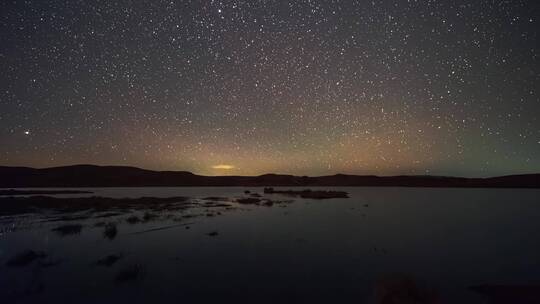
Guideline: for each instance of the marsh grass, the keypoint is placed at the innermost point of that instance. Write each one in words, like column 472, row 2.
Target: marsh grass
column 308, row 193
column 248, row 200
column 67, row 218
column 107, row 214
column 19, row 205
column 148, row 216
column 69, row 229
column 133, row 219
column 130, row 273
column 217, row 199
column 109, row 260
column 25, row 258
column 110, row 231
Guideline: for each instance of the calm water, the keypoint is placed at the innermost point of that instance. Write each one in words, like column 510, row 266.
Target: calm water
column 321, row 251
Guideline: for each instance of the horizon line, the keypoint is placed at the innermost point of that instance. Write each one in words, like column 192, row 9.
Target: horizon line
column 269, row 173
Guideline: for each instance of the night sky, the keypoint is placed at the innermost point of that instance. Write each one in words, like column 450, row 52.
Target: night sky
column 251, row 87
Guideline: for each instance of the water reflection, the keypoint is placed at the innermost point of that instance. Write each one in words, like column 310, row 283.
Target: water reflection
column 381, row 245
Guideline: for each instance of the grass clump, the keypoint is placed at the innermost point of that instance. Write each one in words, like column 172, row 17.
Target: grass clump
column 110, row 231
column 130, row 273
column 25, row 258
column 70, row 229
column 109, row 260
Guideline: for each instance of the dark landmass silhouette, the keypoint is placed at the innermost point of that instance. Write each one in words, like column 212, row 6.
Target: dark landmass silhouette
column 122, row 176
column 11, row 192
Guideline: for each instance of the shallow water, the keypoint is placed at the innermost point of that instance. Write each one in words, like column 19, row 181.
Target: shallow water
column 334, row 250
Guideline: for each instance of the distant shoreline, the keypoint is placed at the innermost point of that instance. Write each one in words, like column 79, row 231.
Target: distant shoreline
column 85, row 191
column 86, row 176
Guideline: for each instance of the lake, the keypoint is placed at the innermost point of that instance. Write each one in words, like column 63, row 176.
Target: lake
column 344, row 250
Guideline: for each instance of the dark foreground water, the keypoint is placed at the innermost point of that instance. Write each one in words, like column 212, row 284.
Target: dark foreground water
column 442, row 241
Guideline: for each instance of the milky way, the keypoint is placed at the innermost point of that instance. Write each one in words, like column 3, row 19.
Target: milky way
column 250, row 87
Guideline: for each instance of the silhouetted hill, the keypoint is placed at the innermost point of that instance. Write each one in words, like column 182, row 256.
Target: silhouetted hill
column 121, row 176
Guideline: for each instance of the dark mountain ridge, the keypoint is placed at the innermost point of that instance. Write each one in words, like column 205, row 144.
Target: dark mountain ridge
column 123, row 176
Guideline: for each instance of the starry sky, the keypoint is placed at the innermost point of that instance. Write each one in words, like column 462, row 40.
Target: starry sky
column 252, row 87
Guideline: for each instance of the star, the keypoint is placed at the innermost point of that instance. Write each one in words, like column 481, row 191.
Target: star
column 299, row 87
